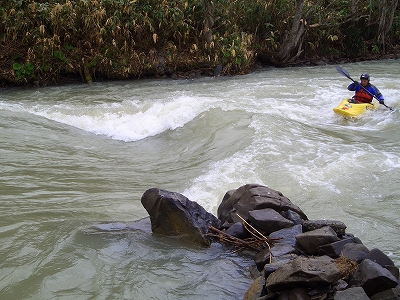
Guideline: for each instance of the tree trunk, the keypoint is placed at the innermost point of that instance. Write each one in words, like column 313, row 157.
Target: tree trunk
column 88, row 78
column 291, row 47
column 387, row 9
column 208, row 20
column 354, row 10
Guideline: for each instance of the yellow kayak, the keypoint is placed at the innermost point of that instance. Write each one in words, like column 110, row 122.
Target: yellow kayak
column 347, row 109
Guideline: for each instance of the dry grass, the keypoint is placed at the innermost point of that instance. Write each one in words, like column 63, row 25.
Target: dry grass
column 346, row 266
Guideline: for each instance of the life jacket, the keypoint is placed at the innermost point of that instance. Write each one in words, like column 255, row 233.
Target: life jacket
column 362, row 96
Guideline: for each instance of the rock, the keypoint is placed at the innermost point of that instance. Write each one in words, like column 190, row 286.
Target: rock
column 268, row 220
column 337, row 226
column 280, row 249
column 354, row 293
column 373, row 278
column 267, row 256
column 335, row 249
column 287, row 235
column 320, row 292
column 340, row 285
column 277, row 262
column 175, row 215
column 237, row 230
column 255, row 290
column 391, row 294
column 292, row 216
column 311, row 240
column 218, row 70
column 253, row 197
column 394, row 270
column 355, row 252
column 379, row 257
column 262, row 258
column 305, row 272
column 298, row 294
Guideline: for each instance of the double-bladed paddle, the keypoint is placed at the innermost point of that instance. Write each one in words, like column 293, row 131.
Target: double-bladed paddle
column 345, row 73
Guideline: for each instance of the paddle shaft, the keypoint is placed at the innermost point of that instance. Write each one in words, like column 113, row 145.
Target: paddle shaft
column 345, row 73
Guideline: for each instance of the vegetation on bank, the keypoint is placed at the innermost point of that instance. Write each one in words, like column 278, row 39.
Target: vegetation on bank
column 117, row 39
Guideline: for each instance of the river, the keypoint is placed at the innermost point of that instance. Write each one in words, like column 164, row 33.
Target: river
column 76, row 159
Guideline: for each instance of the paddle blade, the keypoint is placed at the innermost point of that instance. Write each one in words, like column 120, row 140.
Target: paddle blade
column 390, row 108
column 343, row 72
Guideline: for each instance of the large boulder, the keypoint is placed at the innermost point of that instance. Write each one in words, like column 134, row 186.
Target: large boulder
column 253, row 197
column 373, row 278
column 175, row 215
column 305, row 272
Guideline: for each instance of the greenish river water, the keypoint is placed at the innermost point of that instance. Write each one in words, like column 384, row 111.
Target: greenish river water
column 75, row 161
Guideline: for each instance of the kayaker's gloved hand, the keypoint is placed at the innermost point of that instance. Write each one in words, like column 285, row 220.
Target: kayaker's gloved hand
column 356, row 83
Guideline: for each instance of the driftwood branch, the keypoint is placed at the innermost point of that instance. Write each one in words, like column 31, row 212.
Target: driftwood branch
column 256, row 243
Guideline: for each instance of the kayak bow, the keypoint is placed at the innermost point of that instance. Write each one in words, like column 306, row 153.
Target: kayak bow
column 347, row 109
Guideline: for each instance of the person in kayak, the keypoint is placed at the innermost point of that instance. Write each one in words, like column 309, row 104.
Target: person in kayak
column 365, row 91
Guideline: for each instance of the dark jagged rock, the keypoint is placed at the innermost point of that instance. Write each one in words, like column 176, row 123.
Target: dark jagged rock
column 335, row 249
column 287, row 235
column 292, row 216
column 277, row 262
column 379, row 257
column 253, row 197
column 337, row 226
column 354, row 293
column 306, row 272
column 278, row 253
column 238, row 230
column 391, row 294
column 394, row 270
column 280, row 249
column 311, row 240
column 268, row 220
column 174, row 214
column 355, row 252
column 262, row 258
column 298, row 294
column 254, row 290
column 373, row 278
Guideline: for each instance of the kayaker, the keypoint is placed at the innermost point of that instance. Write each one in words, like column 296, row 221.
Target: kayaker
column 365, row 91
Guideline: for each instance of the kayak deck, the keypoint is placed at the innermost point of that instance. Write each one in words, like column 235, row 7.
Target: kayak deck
column 345, row 108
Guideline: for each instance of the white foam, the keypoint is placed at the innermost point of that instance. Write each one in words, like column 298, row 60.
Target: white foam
column 128, row 120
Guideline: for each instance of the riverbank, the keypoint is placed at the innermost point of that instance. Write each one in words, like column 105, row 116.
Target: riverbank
column 76, row 78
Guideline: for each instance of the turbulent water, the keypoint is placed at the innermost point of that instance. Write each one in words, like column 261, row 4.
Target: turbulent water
column 75, row 161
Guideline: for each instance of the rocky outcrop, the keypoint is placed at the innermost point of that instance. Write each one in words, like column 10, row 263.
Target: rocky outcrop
column 299, row 258
column 252, row 197
column 175, row 215
column 307, row 259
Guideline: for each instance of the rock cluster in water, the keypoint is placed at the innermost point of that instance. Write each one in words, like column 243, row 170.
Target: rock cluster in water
column 296, row 258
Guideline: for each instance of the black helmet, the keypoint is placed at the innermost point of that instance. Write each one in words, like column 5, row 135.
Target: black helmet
column 364, row 76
